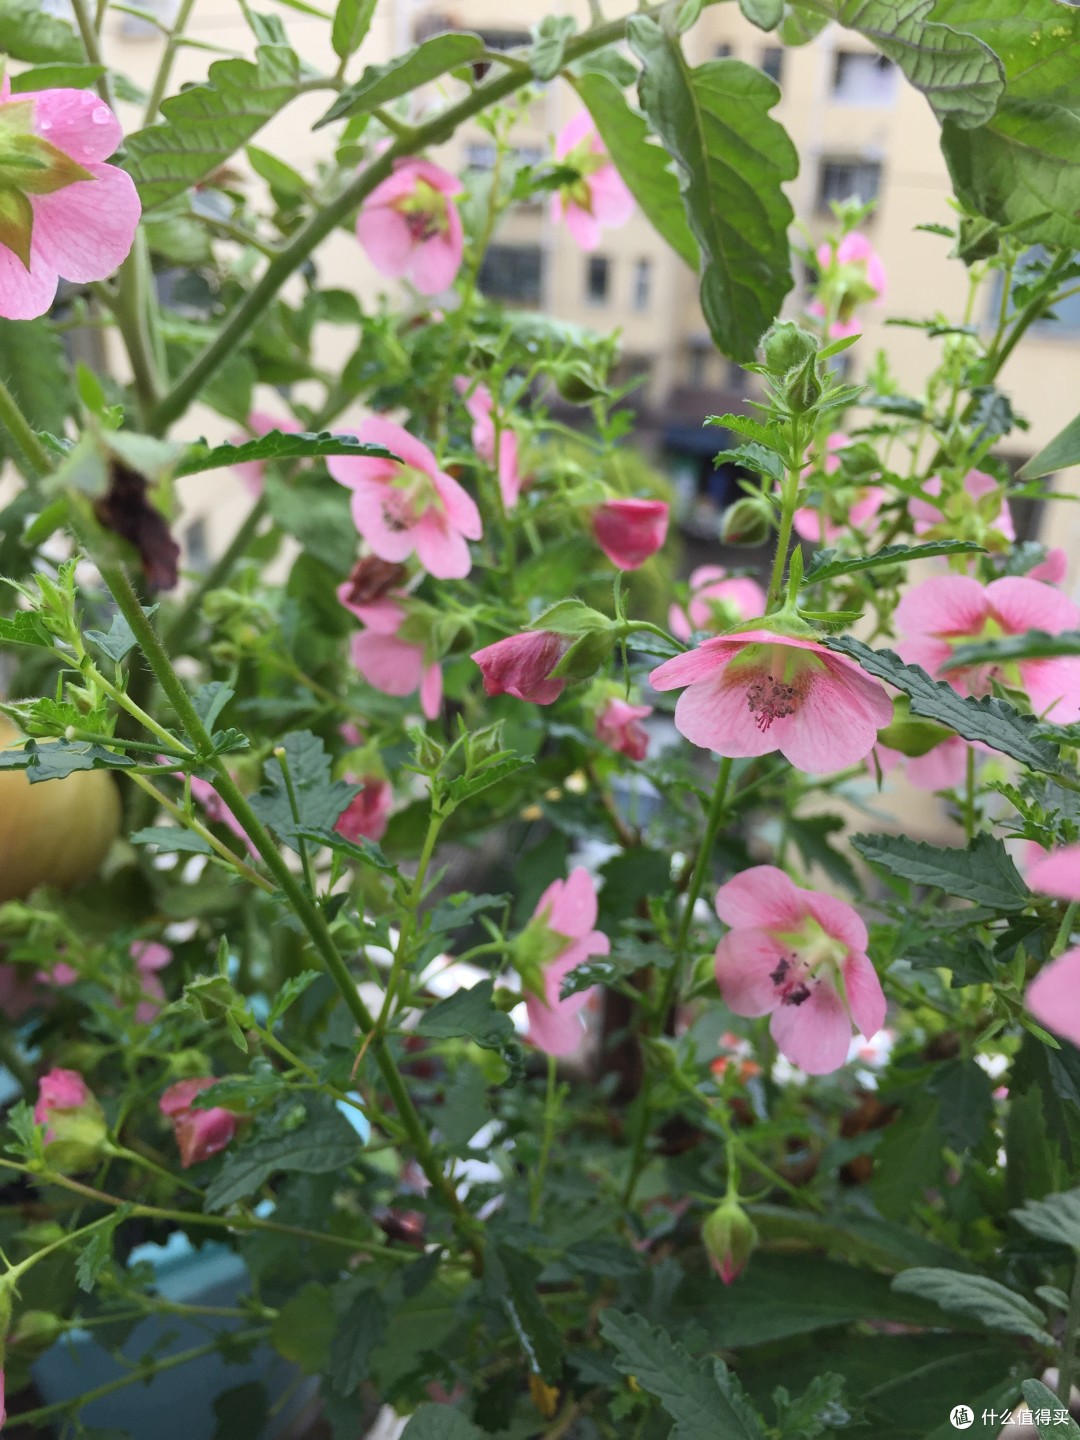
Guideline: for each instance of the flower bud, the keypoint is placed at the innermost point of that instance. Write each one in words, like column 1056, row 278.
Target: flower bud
column 630, row 531
column 748, row 522
column 729, row 1238
column 787, row 345
column 578, row 383
column 199, row 1133
column 802, row 387
column 75, row 1133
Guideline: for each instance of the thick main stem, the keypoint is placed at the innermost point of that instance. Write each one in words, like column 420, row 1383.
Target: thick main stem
column 37, row 459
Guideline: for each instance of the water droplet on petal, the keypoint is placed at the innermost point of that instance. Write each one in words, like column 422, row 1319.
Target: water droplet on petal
column 102, row 115
column 44, row 125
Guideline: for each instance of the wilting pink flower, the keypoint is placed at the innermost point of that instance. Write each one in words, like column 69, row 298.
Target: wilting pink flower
column 150, row 957
column 951, row 610
column 215, row 808
column 1053, row 569
column 598, row 197
column 756, row 692
column 389, row 658
column 936, row 524
column 629, row 531
column 944, row 767
column 799, row 956
column 617, row 725
column 521, row 665
column 64, row 212
column 821, row 525
column 411, row 506
column 716, row 601
column 199, row 1133
column 367, row 815
column 409, row 225
column 59, row 1090
column 498, row 448
column 856, row 274
column 1053, row 997
column 559, row 938
column 260, row 423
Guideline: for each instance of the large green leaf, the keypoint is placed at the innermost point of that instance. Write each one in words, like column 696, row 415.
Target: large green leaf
column 1056, row 1218
column 32, row 366
column 983, row 1299
column 299, row 794
column 440, row 1422
column 277, row 445
column 984, row 872
column 645, row 167
column 1058, row 454
column 1020, row 167
column 995, row 722
column 320, row 1144
column 1044, row 1402
column 203, row 126
column 701, row 1396
column 29, row 32
column 1008, row 649
column 960, row 76
column 827, row 565
column 379, row 84
column 714, row 120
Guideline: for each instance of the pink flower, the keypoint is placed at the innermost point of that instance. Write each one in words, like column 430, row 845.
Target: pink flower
column 716, row 601
column 855, row 273
column 856, row 250
column 1057, row 874
column 1053, row 997
column 487, row 441
column 629, row 531
column 199, row 1133
column 949, row 610
column 411, row 506
column 799, row 956
column 753, row 693
column 409, row 225
column 935, row 523
column 62, row 975
column 59, row 1090
column 150, row 957
column 944, row 767
column 521, row 666
column 367, row 815
column 64, row 212
column 617, row 726
column 388, row 658
column 1053, row 569
column 598, row 197
column 260, row 423
column 561, row 937
column 217, row 811
column 815, row 524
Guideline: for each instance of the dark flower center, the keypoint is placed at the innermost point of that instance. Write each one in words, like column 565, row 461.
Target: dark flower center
column 770, row 700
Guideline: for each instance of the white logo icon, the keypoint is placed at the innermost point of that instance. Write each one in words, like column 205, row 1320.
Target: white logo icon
column 962, row 1417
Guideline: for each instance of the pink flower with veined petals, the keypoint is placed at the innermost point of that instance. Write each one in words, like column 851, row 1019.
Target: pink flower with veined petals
column 944, row 767
column 630, row 531
column 1053, row 997
column 387, row 659
column 498, row 448
column 814, row 524
column 59, row 1090
column 150, row 957
column 199, row 1133
column 716, row 601
column 799, row 956
column 930, row 521
column 598, row 197
column 521, row 666
column 948, row 610
column 753, row 693
column 617, row 725
column 367, row 815
column 561, row 930
column 260, row 423
column 1053, row 569
column 409, row 225
column 411, row 506
column 73, row 216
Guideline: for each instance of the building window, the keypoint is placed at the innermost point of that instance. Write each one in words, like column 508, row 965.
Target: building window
column 597, row 279
column 512, row 272
column 698, row 366
column 480, row 154
column 722, row 51
column 642, row 284
column 195, row 543
column 504, row 39
column 862, row 78
column 772, row 62
column 848, row 180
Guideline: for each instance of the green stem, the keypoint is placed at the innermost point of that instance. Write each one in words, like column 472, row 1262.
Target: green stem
column 134, row 1158
column 192, row 823
column 1061, row 940
column 87, row 25
column 12, row 1275
column 161, row 79
column 416, row 895
column 787, row 517
column 969, row 797
column 18, row 427
column 1027, row 316
column 551, row 1111
column 1067, row 1362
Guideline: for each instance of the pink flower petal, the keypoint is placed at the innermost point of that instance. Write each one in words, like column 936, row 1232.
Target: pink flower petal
column 573, row 904
column 838, row 919
column 86, row 230
column 25, row 294
column 442, row 551
column 1053, row 997
column 77, row 122
column 1053, row 686
column 716, row 715
column 942, row 768
column 583, row 227
column 1057, row 874
column 431, row 691
column 386, row 239
column 865, row 997
column 944, row 605
column 387, row 663
column 460, row 507
column 745, row 962
column 816, row 1035
column 763, row 897
column 1025, row 604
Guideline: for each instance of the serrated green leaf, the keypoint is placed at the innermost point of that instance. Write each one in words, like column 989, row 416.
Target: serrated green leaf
column 1032, row 645
column 510, row 1278
column 56, row 759
column 379, row 84
column 97, row 1252
column 288, row 994
column 205, row 124
column 966, row 1094
column 440, row 1422
column 644, row 166
column 29, row 32
column 701, row 1396
column 1056, row 1218
column 25, row 627
column 1019, row 167
column 171, row 839
column 319, row 800
column 470, row 1014
column 824, row 565
column 549, row 45
column 119, row 640
column 960, row 76
column 33, row 366
column 275, row 445
column 304, row 1328
column 324, row 1143
column 367, row 852
column 984, row 872
column 714, row 120
column 1043, row 1400
column 996, row 1306
column 993, row 721
column 360, row 1328
column 493, row 773
column 1058, row 454
column 352, row 21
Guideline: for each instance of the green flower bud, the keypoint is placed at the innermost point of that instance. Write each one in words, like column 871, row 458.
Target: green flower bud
column 578, row 383
column 729, row 1238
column 748, row 522
column 802, row 387
column 787, row 345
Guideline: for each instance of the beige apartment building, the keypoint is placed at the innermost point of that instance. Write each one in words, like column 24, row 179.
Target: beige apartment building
column 860, row 129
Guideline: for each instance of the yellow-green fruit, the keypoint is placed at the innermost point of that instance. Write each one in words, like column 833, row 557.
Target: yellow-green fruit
column 56, row 832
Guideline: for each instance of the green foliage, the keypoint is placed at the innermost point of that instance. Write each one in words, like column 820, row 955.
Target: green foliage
column 993, row 1305
column 1056, row 1218
column 299, row 794
column 472, row 1014
column 1057, row 454
column 984, row 872
column 733, row 158
column 439, row 1422
column 352, row 21
column 312, row 1139
column 1039, row 1398
column 29, row 32
column 276, row 445
column 379, row 84
column 827, row 565
column 32, row 366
